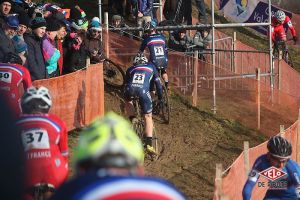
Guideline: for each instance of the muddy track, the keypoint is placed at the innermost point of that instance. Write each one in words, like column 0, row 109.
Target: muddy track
column 191, row 145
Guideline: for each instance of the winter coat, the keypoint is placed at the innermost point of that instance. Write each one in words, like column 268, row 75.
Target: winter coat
column 75, row 59
column 35, row 60
column 6, row 46
column 94, row 45
column 51, row 55
column 145, row 7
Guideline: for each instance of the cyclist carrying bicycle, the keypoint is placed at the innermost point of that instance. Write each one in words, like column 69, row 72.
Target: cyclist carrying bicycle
column 279, row 22
column 44, row 138
column 156, row 44
column 109, row 162
column 137, row 85
column 279, row 153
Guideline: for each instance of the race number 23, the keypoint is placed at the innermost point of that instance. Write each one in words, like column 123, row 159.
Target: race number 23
column 138, row 78
column 5, row 77
column 35, row 139
column 159, row 51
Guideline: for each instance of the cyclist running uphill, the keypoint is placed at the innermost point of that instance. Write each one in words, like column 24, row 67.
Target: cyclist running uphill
column 11, row 77
column 279, row 21
column 137, row 85
column 109, row 162
column 156, row 44
column 279, row 153
column 44, row 138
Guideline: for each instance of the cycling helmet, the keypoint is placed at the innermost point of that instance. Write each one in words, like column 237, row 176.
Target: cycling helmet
column 36, row 100
column 108, row 142
column 149, row 26
column 279, row 147
column 12, row 21
column 280, row 16
column 140, row 59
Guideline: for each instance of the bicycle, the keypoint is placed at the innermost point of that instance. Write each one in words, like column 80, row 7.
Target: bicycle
column 281, row 52
column 163, row 110
column 42, row 191
column 138, row 125
column 113, row 74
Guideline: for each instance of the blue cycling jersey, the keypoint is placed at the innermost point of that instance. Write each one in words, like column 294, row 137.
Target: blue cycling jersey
column 92, row 186
column 140, row 76
column 292, row 180
column 156, row 44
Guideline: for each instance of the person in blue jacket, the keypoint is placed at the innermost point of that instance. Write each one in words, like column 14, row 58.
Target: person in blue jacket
column 279, row 153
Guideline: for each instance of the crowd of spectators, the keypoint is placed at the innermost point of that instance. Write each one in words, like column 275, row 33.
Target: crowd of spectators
column 175, row 13
column 42, row 36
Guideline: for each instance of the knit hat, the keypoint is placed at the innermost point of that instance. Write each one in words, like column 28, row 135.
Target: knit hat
column 95, row 24
column 9, row 1
column 24, row 19
column 19, row 44
column 78, row 18
column 52, row 24
column 38, row 22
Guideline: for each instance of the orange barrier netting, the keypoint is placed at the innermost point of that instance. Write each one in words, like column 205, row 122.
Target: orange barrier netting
column 247, row 100
column 77, row 98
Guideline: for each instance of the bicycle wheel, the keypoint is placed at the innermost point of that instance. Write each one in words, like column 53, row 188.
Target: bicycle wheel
column 113, row 74
column 288, row 59
column 166, row 110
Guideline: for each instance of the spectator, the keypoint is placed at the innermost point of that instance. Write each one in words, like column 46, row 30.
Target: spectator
column 5, row 7
column 61, row 34
column 93, row 41
column 77, row 53
column 50, row 53
column 21, row 48
column 118, row 22
column 132, row 8
column 144, row 13
column 117, row 7
column 109, row 165
column 202, row 39
column 8, row 30
column 180, row 41
column 35, row 60
column 23, row 26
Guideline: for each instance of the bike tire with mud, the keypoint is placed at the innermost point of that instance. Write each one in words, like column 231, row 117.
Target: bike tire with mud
column 113, row 74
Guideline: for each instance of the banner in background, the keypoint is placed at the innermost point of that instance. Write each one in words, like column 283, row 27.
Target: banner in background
column 249, row 11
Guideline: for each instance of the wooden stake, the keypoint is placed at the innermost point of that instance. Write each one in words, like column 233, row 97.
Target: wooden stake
column 298, row 139
column 258, row 97
column 195, row 89
column 246, row 158
column 219, row 170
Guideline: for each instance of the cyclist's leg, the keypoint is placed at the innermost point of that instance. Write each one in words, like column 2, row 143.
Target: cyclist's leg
column 165, row 77
column 129, row 108
column 146, row 105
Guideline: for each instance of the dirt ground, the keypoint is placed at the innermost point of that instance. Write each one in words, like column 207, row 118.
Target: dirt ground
column 192, row 144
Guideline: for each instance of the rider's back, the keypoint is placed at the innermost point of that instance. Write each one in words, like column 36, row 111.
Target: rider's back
column 44, row 138
column 93, row 186
column 11, row 76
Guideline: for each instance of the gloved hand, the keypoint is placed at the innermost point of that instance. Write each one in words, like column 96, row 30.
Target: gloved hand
column 295, row 38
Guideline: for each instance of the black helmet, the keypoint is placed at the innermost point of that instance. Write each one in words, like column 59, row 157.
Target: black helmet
column 279, row 147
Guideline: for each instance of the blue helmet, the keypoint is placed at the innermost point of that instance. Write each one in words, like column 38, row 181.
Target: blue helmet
column 149, row 26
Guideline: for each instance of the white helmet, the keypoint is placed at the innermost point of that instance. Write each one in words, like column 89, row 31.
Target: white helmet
column 280, row 16
column 36, row 100
column 140, row 59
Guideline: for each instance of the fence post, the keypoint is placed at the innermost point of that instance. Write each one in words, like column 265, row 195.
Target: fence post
column 298, row 139
column 258, row 97
column 195, row 89
column 233, row 52
column 246, row 158
column 281, row 130
column 219, row 170
column 106, row 35
column 279, row 75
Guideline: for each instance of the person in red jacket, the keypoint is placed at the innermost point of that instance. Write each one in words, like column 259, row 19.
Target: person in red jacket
column 11, row 77
column 45, row 141
column 279, row 20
